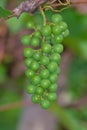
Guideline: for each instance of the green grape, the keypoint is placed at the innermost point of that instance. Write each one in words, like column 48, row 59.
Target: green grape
column 26, row 40
column 39, row 91
column 46, row 48
column 65, row 33
column 30, row 25
column 30, row 89
column 35, row 98
column 63, row 26
column 44, row 60
column 46, row 30
column 37, row 55
column 45, row 83
column 37, row 34
column 28, row 61
column 56, row 30
column 35, row 65
column 48, row 38
column 29, row 73
column 58, row 48
column 47, row 41
column 58, row 39
column 35, row 41
column 53, row 78
column 52, row 96
column 58, row 70
column 55, row 57
column 36, row 80
column 52, row 66
column 53, row 87
column 44, row 73
column 56, row 18
column 45, row 104
column 28, row 52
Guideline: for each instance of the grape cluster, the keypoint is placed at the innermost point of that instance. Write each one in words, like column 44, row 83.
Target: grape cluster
column 43, row 58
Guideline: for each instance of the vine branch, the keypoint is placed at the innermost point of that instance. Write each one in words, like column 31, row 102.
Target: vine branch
column 28, row 6
column 31, row 5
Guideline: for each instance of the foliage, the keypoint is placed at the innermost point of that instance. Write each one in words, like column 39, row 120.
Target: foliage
column 4, row 13
column 76, row 43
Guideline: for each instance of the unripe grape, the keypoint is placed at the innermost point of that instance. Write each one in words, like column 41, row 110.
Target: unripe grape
column 44, row 60
column 52, row 66
column 44, row 73
column 52, row 96
column 63, row 26
column 26, row 40
column 37, row 34
column 53, row 87
column 45, row 83
column 58, row 70
column 56, row 30
column 35, row 65
column 37, row 55
column 39, row 91
column 58, row 48
column 30, row 89
column 28, row 52
column 29, row 73
column 30, row 25
column 56, row 18
column 48, row 38
column 58, row 39
column 46, row 48
column 53, row 78
column 35, row 98
column 55, row 57
column 36, row 80
column 45, row 104
column 65, row 33
column 35, row 41
column 46, row 30
column 28, row 61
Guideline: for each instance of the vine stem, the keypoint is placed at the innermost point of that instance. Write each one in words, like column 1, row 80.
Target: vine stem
column 31, row 5
column 43, row 14
column 71, row 3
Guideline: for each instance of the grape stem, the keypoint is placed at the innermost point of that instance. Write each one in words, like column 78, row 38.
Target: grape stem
column 43, row 14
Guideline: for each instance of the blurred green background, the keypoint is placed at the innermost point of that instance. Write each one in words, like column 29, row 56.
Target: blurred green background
column 12, row 79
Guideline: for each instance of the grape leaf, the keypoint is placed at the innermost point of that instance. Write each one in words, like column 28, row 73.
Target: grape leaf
column 4, row 13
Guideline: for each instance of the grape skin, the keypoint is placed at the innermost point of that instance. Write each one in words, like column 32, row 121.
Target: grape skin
column 43, row 63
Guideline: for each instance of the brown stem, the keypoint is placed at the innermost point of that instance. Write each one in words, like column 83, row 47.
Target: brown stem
column 31, row 5
column 71, row 3
column 28, row 6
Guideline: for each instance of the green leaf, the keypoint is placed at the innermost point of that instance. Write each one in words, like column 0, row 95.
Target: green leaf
column 4, row 13
column 67, row 119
